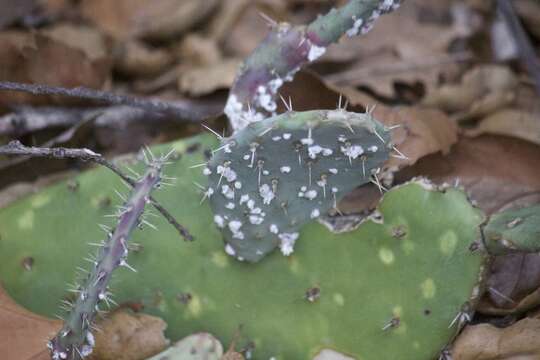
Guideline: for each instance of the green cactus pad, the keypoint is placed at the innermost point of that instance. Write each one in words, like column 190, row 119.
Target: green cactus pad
column 410, row 274
column 513, row 230
column 273, row 176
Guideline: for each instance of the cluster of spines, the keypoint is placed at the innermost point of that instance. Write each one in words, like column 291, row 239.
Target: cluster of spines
column 75, row 340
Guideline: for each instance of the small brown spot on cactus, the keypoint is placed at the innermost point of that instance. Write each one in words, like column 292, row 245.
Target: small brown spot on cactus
column 313, row 294
column 104, row 202
column 184, row 298
column 514, row 223
column 27, row 263
column 193, row 147
column 399, row 231
column 73, row 185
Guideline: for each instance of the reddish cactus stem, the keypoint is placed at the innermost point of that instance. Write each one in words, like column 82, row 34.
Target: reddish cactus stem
column 286, row 50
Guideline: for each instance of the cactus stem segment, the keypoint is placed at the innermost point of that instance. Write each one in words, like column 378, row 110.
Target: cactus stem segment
column 75, row 339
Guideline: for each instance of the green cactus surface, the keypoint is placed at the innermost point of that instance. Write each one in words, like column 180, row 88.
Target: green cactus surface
column 513, row 230
column 388, row 290
column 273, row 176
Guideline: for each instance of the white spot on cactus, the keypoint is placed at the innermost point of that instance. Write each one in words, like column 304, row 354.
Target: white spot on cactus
column 287, row 242
column 227, row 191
column 303, row 188
column 207, row 171
column 227, row 172
column 314, row 150
column 247, row 157
column 230, row 206
column 276, row 138
column 334, row 190
column 244, row 198
column 265, row 99
column 307, row 141
column 286, row 136
column 386, row 255
column 235, row 226
column 266, row 193
column 352, row 151
column 285, row 169
column 355, row 28
column 333, row 171
column 237, row 185
column 275, row 84
column 250, row 204
column 86, row 350
column 266, row 172
column 311, row 194
column 90, row 339
column 342, row 138
column 256, row 220
column 315, row 213
column 256, row 210
column 315, row 52
column 274, row 229
column 229, row 250
column 373, row 148
column 388, row 5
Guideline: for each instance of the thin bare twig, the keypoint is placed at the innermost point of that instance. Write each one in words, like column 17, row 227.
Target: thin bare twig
column 17, row 148
column 526, row 50
column 105, row 97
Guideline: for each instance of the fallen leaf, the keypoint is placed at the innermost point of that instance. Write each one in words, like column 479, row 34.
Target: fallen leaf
column 12, row 11
column 518, row 123
column 496, row 171
column 37, row 58
column 135, row 58
column 475, row 85
column 151, row 19
column 406, row 46
column 129, row 336
column 23, row 334
column 520, row 341
column 513, row 285
column 207, row 79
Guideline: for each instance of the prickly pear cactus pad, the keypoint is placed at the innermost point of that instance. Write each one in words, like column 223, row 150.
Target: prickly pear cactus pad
column 513, row 230
column 387, row 290
column 271, row 177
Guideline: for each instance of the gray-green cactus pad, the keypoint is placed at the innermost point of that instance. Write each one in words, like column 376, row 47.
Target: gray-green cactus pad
column 273, row 176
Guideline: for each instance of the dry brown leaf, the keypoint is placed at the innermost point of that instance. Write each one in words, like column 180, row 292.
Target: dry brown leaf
column 511, row 122
column 154, row 19
column 129, row 336
column 134, row 58
column 37, row 58
column 513, row 285
column 520, row 341
column 529, row 11
column 205, row 80
column 476, row 84
column 23, row 334
column 401, row 47
column 85, row 38
column 496, row 171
